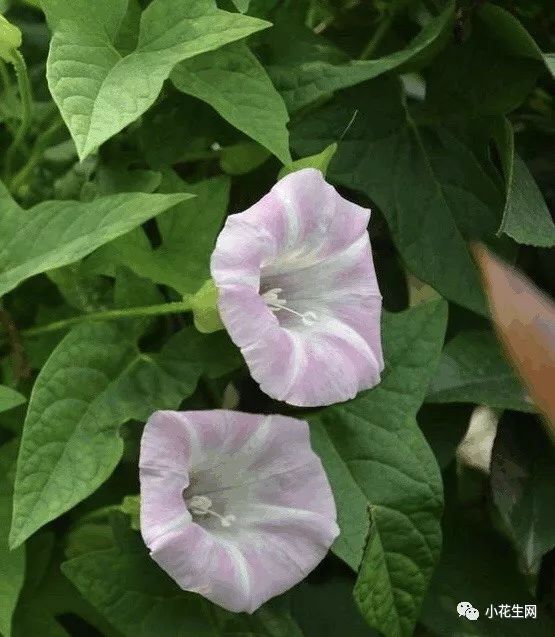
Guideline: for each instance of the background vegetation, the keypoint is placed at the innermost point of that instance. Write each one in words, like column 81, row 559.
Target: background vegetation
column 440, row 116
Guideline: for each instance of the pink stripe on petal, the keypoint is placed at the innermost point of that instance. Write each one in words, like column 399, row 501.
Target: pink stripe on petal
column 202, row 564
column 162, row 504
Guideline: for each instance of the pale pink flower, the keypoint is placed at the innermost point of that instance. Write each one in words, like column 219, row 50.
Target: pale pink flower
column 298, row 292
column 234, row 506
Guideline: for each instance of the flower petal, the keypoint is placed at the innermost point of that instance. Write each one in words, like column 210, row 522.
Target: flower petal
column 261, row 471
column 309, row 243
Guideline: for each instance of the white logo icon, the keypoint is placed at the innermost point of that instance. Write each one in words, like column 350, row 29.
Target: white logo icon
column 465, row 609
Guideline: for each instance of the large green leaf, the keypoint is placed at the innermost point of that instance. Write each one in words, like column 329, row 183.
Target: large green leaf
column 473, row 369
column 95, row 380
column 385, row 478
column 310, row 70
column 523, row 486
column 56, row 233
column 432, row 190
column 140, row 600
column 461, row 85
column 47, row 595
column 99, row 90
column 526, row 217
column 233, row 81
column 12, row 570
column 9, row 398
column 188, row 234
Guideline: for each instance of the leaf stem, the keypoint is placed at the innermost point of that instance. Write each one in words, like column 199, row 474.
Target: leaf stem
column 26, row 95
column 111, row 315
column 41, row 144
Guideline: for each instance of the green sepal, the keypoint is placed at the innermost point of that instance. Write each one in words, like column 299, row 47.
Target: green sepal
column 205, row 309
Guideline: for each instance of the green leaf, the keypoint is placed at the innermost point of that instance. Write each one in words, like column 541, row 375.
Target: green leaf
column 9, row 398
column 111, row 180
column 88, row 536
column 549, row 59
column 80, row 289
column 56, row 233
column 34, row 614
column 242, row 5
column 108, row 14
column 472, row 369
column 100, row 91
column 188, row 233
column 95, row 380
column 242, row 158
column 461, row 85
column 321, row 161
column 140, row 600
column 10, row 39
column 381, row 467
column 507, row 32
column 168, row 138
column 523, row 486
column 234, row 83
column 526, row 217
column 304, row 75
column 12, row 572
column 47, row 595
column 432, row 190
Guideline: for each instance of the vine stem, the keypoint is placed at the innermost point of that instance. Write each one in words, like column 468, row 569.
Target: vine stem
column 26, row 95
column 41, row 144
column 383, row 28
column 111, row 315
column 379, row 34
column 7, row 93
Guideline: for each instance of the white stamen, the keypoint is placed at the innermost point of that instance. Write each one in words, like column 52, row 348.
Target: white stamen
column 272, row 300
column 201, row 505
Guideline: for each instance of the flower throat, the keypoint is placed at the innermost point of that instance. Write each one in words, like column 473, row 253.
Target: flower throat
column 272, row 300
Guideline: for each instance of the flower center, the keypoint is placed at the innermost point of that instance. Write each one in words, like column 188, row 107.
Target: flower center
column 201, row 506
column 272, row 300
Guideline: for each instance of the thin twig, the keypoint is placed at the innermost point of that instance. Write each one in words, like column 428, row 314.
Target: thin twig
column 41, row 144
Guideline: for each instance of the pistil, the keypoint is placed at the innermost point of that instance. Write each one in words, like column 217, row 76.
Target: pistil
column 201, row 506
